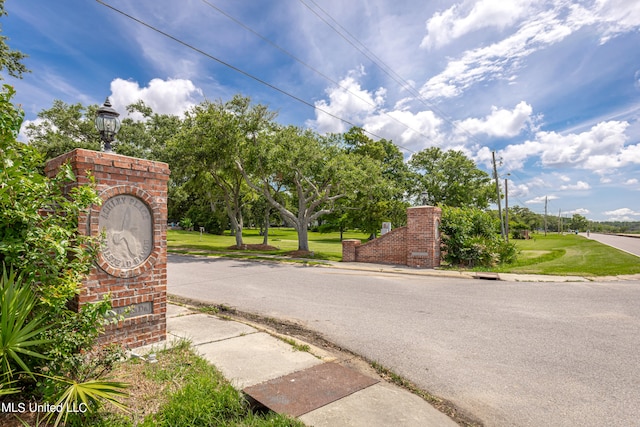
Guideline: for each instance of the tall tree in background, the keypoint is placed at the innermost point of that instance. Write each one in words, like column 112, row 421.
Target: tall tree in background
column 147, row 137
column 62, row 128
column 450, row 178
column 10, row 60
column 209, row 144
column 579, row 222
column 383, row 199
column 312, row 168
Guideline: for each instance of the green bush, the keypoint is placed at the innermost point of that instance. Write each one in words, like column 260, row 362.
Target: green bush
column 40, row 244
column 470, row 237
column 19, row 331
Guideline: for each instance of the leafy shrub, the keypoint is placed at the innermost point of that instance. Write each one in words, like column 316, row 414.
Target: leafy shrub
column 48, row 259
column 19, row 331
column 186, row 224
column 470, row 237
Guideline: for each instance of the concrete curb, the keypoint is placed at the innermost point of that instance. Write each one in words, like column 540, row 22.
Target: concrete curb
column 248, row 354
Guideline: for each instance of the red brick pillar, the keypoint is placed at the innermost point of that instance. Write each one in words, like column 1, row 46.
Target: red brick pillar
column 132, row 264
column 349, row 248
column 423, row 236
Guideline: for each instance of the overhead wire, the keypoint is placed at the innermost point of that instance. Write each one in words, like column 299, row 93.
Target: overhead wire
column 310, row 67
column 236, row 69
column 364, row 50
column 352, row 40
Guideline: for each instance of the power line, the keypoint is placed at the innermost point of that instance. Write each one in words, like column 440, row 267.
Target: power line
column 238, row 70
column 315, row 70
column 364, row 50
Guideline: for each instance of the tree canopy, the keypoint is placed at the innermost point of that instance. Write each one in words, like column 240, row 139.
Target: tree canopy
column 450, row 178
column 232, row 157
column 11, row 60
column 314, row 170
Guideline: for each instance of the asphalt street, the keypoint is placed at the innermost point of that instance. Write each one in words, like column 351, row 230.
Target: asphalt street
column 508, row 353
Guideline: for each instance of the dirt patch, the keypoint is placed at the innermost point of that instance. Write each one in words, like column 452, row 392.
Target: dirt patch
column 300, row 254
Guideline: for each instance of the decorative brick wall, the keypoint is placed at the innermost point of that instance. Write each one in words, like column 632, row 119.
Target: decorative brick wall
column 132, row 265
column 416, row 245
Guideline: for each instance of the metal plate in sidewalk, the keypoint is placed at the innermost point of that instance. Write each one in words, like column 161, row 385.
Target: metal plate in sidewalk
column 303, row 391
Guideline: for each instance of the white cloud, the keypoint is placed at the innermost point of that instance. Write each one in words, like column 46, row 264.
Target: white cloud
column 601, row 149
column 631, row 181
column 622, row 211
column 455, row 22
column 617, row 16
column 500, row 59
column 579, row 211
column 539, row 26
column 172, row 96
column 580, row 185
column 518, row 190
column 22, row 135
column 622, row 214
column 541, row 199
column 514, row 156
column 500, row 123
column 412, row 131
column 348, row 101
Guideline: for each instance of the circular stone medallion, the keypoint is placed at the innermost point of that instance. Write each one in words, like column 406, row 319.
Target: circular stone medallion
column 128, row 227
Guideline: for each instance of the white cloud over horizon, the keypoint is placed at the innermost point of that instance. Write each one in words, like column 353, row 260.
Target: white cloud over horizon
column 622, row 214
column 541, row 199
column 500, row 123
column 171, row 96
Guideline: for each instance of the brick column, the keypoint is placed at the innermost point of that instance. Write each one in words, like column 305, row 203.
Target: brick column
column 423, row 236
column 132, row 264
column 349, row 250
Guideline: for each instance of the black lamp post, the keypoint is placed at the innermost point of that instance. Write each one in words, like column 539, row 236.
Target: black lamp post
column 107, row 124
column 424, row 198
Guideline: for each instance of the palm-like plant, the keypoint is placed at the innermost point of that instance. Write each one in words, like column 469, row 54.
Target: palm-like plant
column 87, row 396
column 19, row 329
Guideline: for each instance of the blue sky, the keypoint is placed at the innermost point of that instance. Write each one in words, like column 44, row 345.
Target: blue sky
column 552, row 86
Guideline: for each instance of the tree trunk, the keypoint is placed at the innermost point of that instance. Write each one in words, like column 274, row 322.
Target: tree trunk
column 303, row 236
column 265, row 239
column 236, row 225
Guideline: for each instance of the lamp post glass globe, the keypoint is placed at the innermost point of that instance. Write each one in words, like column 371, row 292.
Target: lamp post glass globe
column 107, row 124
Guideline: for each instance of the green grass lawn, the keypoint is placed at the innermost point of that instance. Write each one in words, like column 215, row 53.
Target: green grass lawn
column 182, row 389
column 570, row 254
column 552, row 254
column 324, row 245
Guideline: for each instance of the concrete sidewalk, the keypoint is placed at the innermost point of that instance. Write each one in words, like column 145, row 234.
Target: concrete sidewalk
column 269, row 369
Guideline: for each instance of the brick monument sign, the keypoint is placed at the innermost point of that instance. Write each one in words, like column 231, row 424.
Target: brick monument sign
column 416, row 245
column 132, row 263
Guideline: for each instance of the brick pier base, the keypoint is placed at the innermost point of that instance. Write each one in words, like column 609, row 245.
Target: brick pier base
column 132, row 266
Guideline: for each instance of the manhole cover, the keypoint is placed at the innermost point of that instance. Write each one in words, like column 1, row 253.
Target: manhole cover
column 303, row 391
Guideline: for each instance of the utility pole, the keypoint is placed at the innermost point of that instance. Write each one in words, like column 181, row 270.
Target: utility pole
column 559, row 221
column 495, row 175
column 506, row 209
column 545, row 215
